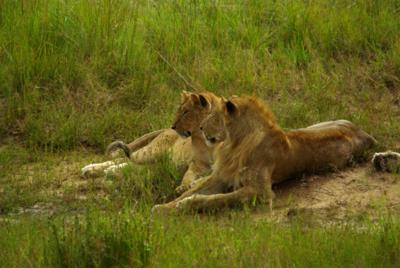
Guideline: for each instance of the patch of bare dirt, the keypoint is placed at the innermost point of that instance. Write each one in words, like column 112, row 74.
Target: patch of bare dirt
column 353, row 193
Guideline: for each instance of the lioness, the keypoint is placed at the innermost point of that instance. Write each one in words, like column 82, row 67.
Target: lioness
column 256, row 152
column 190, row 154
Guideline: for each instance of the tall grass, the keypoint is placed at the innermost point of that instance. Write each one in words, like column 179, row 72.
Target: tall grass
column 86, row 72
column 79, row 73
column 113, row 226
column 53, row 183
column 135, row 239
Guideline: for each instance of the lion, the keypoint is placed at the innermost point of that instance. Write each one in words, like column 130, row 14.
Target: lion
column 184, row 141
column 145, row 150
column 254, row 153
column 114, row 150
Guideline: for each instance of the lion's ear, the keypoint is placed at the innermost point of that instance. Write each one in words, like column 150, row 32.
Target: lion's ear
column 195, row 98
column 230, row 107
column 203, row 101
column 184, row 95
column 199, row 99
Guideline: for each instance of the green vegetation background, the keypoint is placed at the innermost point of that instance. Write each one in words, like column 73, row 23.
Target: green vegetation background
column 79, row 74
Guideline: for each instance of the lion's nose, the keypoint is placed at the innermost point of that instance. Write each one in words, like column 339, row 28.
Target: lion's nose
column 173, row 127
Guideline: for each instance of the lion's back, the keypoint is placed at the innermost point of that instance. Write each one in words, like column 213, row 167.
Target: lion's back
column 329, row 144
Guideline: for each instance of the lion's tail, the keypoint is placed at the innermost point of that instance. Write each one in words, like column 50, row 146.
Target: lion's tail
column 133, row 146
column 115, row 145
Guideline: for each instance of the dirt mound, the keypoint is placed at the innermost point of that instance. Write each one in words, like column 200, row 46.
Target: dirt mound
column 354, row 192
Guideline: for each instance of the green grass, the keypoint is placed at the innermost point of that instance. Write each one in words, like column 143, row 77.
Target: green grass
column 127, row 239
column 54, row 179
column 49, row 217
column 81, row 73
column 76, row 75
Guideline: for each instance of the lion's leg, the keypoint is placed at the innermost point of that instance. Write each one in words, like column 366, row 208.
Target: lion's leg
column 96, row 169
column 182, row 188
column 155, row 149
column 112, row 170
column 207, row 193
column 191, row 176
column 199, row 201
column 214, row 184
column 205, row 185
column 187, row 179
column 212, row 201
column 269, row 194
column 266, row 192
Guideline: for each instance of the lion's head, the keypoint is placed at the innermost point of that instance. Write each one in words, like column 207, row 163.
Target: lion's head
column 235, row 117
column 213, row 126
column 193, row 109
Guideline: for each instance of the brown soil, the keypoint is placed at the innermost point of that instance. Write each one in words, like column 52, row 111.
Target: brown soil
column 352, row 193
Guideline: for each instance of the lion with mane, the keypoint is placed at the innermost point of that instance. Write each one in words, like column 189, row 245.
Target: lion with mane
column 254, row 153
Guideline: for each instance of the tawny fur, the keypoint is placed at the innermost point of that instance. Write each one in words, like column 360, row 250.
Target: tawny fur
column 255, row 153
column 113, row 148
column 184, row 142
column 192, row 111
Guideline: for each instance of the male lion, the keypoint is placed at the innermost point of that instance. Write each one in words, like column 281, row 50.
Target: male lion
column 256, row 152
column 190, row 154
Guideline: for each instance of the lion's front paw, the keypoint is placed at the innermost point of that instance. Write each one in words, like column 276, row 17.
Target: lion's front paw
column 182, row 188
column 185, row 203
column 112, row 170
column 89, row 171
column 163, row 209
column 187, row 186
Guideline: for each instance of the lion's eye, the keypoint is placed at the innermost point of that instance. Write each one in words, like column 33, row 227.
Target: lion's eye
column 185, row 112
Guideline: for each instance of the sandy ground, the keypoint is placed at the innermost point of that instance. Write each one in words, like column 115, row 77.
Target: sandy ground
column 352, row 193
